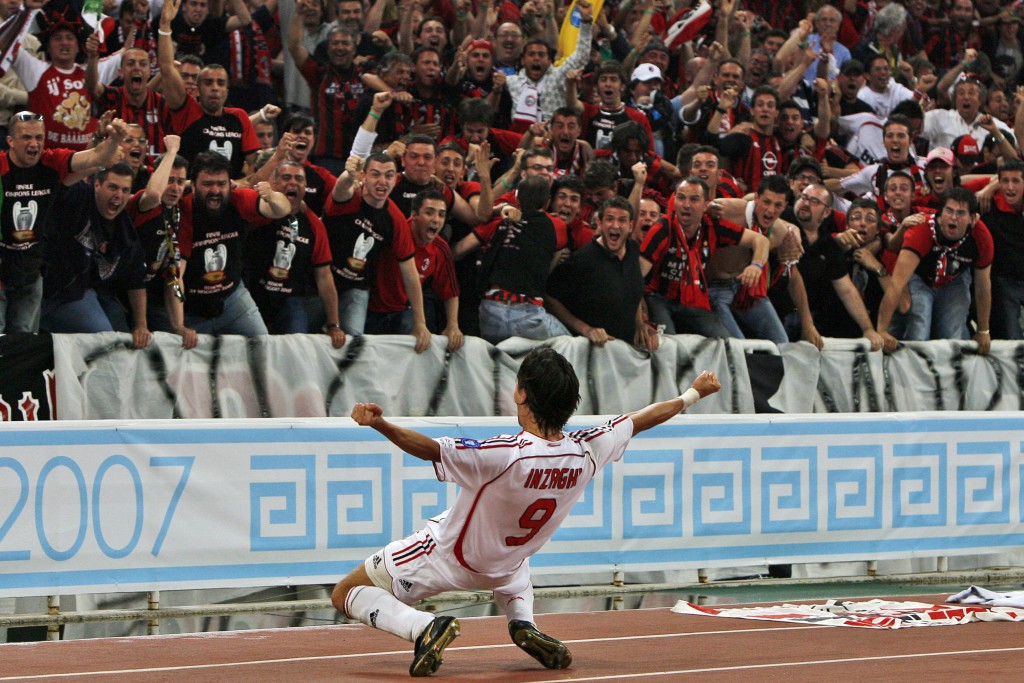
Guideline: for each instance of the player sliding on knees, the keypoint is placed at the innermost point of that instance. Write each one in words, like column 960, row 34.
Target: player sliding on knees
column 514, row 493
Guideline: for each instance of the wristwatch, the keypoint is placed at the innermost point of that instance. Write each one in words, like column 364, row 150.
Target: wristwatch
column 331, row 326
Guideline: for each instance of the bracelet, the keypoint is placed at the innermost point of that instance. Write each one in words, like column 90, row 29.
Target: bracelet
column 690, row 396
column 164, row 33
column 648, row 11
column 982, row 332
column 757, row 265
column 744, row 34
column 505, row 183
column 331, row 326
column 721, row 110
column 374, row 114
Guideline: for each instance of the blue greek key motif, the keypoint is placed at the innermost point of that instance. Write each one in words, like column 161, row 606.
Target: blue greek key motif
column 721, row 491
column 919, row 485
column 789, row 497
column 983, row 482
column 652, row 494
column 277, row 504
column 358, row 513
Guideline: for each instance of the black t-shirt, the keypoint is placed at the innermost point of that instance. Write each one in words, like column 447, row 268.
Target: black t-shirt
column 600, row 289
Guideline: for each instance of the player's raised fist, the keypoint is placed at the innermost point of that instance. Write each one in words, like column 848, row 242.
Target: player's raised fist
column 367, row 414
column 706, row 383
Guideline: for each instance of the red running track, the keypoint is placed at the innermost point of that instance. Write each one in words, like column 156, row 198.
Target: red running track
column 647, row 644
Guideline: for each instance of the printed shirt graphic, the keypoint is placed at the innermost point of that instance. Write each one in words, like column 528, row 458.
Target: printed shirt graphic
column 230, row 134
column 61, row 98
column 359, row 233
column 28, row 193
column 517, row 490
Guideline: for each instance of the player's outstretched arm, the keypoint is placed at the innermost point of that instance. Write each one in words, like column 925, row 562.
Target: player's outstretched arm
column 413, row 443
column 653, row 415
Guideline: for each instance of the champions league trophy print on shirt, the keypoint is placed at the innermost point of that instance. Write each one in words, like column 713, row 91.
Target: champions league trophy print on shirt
column 283, row 256
column 223, row 148
column 364, row 243
column 215, row 260
column 24, row 220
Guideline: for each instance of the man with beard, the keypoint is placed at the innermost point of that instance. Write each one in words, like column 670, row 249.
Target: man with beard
column 350, row 13
column 948, row 44
column 1004, row 220
column 419, row 162
column 942, row 126
column 675, row 253
column 206, row 123
column 599, row 120
column 30, row 175
column 826, row 302
column 156, row 217
column 599, row 292
column 539, row 88
column 215, row 220
column 94, row 257
column 288, row 265
column 938, row 262
column 389, row 311
column 362, row 223
column 756, row 151
column 896, row 133
column 335, row 89
column 748, row 308
column 134, row 101
column 56, row 89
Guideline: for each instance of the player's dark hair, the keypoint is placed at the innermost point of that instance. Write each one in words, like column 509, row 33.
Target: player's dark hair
column 421, row 140
column 766, row 90
column 452, row 147
column 568, row 182
column 533, row 193
column 961, row 195
column 567, row 112
column 801, row 164
column 380, row 158
column 626, row 131
column 773, row 183
column 898, row 174
column 1011, row 165
column 897, row 120
column 909, row 108
column 694, row 180
column 210, row 162
column 194, row 60
column 616, row 202
column 296, row 122
column 426, row 195
column 121, row 168
column 551, row 387
column 179, row 161
column 476, row 111
column 599, row 175
column 863, row 203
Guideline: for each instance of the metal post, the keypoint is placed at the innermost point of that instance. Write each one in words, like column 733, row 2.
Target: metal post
column 153, row 625
column 942, row 564
column 872, row 567
column 53, row 609
column 702, row 575
column 618, row 578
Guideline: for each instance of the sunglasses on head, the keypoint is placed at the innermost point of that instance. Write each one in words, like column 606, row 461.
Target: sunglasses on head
column 28, row 116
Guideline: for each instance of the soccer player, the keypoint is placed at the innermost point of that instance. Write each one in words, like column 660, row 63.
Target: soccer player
column 509, row 504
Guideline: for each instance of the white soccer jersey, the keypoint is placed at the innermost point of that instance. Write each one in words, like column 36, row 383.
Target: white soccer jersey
column 516, row 491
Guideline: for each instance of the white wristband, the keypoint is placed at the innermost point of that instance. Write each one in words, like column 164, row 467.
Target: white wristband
column 690, row 396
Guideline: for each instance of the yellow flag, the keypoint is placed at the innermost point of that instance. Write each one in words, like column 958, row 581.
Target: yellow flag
column 569, row 35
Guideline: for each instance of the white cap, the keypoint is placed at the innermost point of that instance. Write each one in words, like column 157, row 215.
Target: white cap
column 646, row 72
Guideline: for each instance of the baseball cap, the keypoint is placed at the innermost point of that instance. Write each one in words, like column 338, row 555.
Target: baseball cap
column 967, row 150
column 851, row 67
column 940, row 154
column 646, row 72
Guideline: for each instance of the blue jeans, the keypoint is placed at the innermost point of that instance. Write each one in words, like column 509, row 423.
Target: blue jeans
column 1007, row 302
column 760, row 320
column 20, row 306
column 240, row 316
column 500, row 320
column 679, row 319
column 396, row 322
column 84, row 315
column 352, row 305
column 298, row 315
column 938, row 313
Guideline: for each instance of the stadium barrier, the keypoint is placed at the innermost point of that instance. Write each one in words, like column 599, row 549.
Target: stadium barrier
column 112, row 506
column 99, row 376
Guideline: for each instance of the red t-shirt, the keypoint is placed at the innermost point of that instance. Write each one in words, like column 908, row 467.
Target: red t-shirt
column 435, row 267
column 941, row 262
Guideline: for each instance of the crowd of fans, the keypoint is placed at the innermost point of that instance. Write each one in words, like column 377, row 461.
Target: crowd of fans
column 733, row 168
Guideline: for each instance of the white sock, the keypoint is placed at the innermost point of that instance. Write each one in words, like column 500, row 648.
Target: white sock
column 377, row 608
column 516, row 605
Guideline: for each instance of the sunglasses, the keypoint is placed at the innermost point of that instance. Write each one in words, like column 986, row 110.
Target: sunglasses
column 28, row 116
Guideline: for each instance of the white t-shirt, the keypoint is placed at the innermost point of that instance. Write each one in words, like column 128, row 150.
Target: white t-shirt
column 516, row 491
column 867, row 144
column 884, row 102
column 943, row 126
